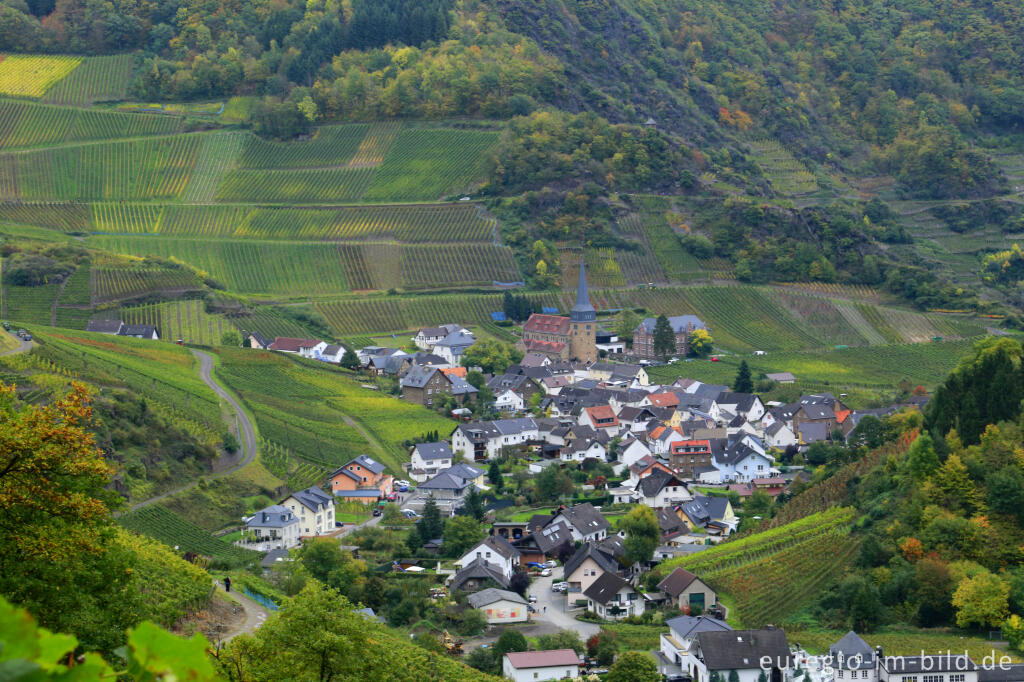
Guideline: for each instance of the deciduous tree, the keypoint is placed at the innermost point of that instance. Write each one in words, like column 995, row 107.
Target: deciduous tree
column 634, row 666
column 981, row 601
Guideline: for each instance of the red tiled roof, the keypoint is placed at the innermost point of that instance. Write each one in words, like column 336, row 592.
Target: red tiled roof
column 542, row 659
column 543, row 346
column 841, row 415
column 664, row 399
column 705, row 445
column 547, row 324
column 292, row 344
column 603, row 416
column 457, row 371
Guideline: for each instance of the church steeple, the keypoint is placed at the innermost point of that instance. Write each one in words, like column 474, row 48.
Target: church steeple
column 582, row 311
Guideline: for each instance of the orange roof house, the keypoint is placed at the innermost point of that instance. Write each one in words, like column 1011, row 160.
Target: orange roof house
column 600, row 417
column 663, row 400
column 455, row 371
column 361, row 477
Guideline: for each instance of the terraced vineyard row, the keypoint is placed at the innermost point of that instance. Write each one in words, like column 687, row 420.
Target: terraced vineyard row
column 428, row 266
column 167, row 527
column 97, row 79
column 425, row 164
column 156, row 168
column 324, row 185
column 375, row 145
column 819, row 313
column 295, row 473
column 25, row 124
column 32, row 305
column 78, row 289
column 118, row 284
column 216, row 158
column 270, row 323
column 329, row 146
column 788, row 176
column 62, row 216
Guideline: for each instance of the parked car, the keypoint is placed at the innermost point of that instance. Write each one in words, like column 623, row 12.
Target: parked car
column 715, row 360
column 559, row 587
column 401, row 483
column 545, row 573
column 532, row 598
column 409, row 514
column 392, row 496
column 377, row 512
column 550, row 564
column 27, row 337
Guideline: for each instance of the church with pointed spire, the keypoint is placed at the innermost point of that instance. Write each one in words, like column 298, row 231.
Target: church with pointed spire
column 572, row 338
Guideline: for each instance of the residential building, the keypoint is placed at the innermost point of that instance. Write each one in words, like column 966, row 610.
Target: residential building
column 428, row 459
column 682, row 327
column 586, row 522
column 674, row 652
column 314, row 350
column 315, row 510
column 781, row 377
column 479, row 441
column 661, row 489
column 139, row 331
column 287, row 344
column 332, row 353
column 536, row 666
column 688, row 592
column 613, row 598
column 275, row 527
column 476, row 575
column 362, row 474
column 499, row 606
column 105, row 326
column 854, row 659
column 424, row 384
column 743, row 651
column 588, row 564
column 609, row 342
column 600, row 418
column 454, row 345
column 496, row 551
column 257, row 340
column 581, row 449
column 713, row 514
column 685, row 457
column 428, row 337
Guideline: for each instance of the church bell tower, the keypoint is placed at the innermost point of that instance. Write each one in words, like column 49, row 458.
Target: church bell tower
column 583, row 323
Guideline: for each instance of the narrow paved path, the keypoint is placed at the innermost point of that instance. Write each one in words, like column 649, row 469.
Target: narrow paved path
column 247, row 433
column 255, row 614
column 22, row 347
column 556, row 613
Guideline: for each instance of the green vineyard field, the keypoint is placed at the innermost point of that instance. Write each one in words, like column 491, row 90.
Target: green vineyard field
column 118, row 284
column 425, row 164
column 25, row 124
column 26, row 75
column 167, row 527
column 97, row 79
column 184, row 320
column 321, row 185
column 329, row 146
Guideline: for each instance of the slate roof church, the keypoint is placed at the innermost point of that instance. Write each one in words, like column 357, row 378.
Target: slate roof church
column 565, row 338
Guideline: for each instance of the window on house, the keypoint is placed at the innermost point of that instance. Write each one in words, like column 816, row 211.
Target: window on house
column 932, row 678
column 840, row 674
column 864, row 674
column 959, row 677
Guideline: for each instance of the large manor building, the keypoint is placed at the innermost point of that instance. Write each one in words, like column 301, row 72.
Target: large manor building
column 572, row 338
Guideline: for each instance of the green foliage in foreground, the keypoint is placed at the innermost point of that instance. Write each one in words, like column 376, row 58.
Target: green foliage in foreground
column 29, row 652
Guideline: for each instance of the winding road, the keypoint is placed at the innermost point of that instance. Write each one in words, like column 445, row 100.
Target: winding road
column 247, row 434
column 24, row 346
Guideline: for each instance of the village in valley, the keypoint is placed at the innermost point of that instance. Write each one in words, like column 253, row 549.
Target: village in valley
column 568, row 493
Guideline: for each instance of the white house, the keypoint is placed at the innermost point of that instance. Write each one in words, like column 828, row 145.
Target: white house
column 478, row 441
column 332, row 353
column 315, row 510
column 509, row 401
column 536, row 666
column 778, row 435
column 428, row 337
column 586, row 522
column 497, row 552
column 499, row 606
column 660, row 489
column 740, row 463
column 428, row 459
column 853, row 659
column 631, row 450
column 744, row 651
column 454, row 345
column 613, row 598
column 582, row 448
column 313, row 349
column 947, row 667
column 746, row 404
column 275, row 527
column 676, row 643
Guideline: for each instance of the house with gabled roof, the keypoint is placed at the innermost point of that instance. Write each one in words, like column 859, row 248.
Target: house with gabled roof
column 601, row 418
column 139, row 331
column 682, row 327
column 454, row 345
column 689, row 455
column 545, row 542
column 613, row 598
column 314, row 509
column 428, row 459
column 748, row 405
column 105, row 326
column 425, row 384
column 499, row 606
column 588, row 563
column 537, row 666
column 714, row 514
column 274, row 527
column 257, row 340
column 661, row 489
column 477, row 574
column 688, row 592
column 496, row 551
column 581, row 449
column 751, row 653
column 586, row 522
column 643, row 467
column 665, row 399
column 428, row 337
column 674, row 652
column 288, row 344
column 479, row 441
column 362, row 474
column 853, row 659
